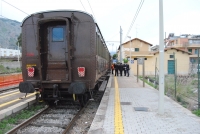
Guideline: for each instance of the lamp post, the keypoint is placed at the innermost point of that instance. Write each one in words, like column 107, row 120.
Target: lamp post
column 130, row 49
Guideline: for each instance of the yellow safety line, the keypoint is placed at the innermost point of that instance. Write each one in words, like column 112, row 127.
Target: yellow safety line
column 119, row 128
column 9, row 94
column 7, row 103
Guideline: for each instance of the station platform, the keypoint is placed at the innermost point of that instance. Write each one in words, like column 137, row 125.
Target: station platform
column 129, row 108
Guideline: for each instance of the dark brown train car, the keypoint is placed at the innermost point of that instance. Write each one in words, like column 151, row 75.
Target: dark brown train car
column 63, row 52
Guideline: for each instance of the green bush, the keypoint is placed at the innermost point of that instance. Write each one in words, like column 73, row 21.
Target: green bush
column 24, row 114
column 7, row 70
column 196, row 112
column 125, row 60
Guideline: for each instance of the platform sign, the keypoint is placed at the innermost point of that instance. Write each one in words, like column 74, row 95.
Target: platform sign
column 140, row 61
column 132, row 61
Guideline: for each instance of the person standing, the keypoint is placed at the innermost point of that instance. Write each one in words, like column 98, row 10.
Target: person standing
column 120, row 68
column 127, row 69
column 116, row 69
column 124, row 68
column 112, row 68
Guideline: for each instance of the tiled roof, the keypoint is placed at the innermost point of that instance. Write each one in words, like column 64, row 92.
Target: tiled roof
column 139, row 40
column 136, row 39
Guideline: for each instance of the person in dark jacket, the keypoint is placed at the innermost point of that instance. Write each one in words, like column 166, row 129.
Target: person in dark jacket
column 120, row 68
column 112, row 68
column 124, row 68
column 127, row 69
column 116, row 69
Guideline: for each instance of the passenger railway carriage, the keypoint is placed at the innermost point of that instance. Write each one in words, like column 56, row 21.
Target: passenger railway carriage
column 63, row 53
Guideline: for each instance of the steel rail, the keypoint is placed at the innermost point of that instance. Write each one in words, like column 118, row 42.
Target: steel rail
column 27, row 122
column 3, row 90
column 69, row 126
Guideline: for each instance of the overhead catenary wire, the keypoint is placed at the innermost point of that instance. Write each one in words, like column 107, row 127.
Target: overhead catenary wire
column 92, row 10
column 113, row 35
column 135, row 17
column 83, row 6
column 15, row 7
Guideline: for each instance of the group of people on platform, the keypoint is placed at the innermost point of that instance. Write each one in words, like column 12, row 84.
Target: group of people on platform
column 121, row 68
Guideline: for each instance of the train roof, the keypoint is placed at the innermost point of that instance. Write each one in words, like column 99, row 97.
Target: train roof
column 51, row 11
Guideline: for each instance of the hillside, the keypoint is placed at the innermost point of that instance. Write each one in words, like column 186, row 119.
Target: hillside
column 9, row 31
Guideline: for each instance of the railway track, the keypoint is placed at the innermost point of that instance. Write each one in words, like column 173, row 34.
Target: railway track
column 8, row 89
column 60, row 119
column 50, row 120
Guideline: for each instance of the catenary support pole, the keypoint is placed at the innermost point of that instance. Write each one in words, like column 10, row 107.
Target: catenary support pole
column 137, row 71
column 198, row 82
column 120, row 44
column 143, row 66
column 161, row 58
column 18, row 51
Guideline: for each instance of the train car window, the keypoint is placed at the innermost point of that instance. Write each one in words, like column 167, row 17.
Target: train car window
column 58, row 34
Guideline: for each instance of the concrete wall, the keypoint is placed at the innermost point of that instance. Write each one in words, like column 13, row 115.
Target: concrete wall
column 13, row 64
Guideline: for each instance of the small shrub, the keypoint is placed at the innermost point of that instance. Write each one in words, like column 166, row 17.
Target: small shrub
column 178, row 98
column 196, row 112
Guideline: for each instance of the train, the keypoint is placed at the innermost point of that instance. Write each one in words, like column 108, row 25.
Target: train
column 64, row 55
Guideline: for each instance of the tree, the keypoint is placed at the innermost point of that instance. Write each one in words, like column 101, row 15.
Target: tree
column 114, row 56
column 19, row 40
column 125, row 60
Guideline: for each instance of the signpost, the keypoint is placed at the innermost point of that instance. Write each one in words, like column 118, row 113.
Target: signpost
column 132, row 61
column 140, row 61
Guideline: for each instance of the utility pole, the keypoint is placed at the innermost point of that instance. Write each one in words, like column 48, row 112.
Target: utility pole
column 120, row 44
column 18, row 51
column 161, row 58
column 174, row 77
column 198, row 82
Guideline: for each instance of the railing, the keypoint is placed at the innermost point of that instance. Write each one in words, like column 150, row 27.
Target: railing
column 10, row 79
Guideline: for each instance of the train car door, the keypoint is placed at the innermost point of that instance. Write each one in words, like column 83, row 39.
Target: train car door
column 57, row 57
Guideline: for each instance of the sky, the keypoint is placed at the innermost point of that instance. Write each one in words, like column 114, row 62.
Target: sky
column 179, row 16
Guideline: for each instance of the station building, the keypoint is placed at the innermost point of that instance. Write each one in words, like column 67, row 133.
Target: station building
column 176, row 60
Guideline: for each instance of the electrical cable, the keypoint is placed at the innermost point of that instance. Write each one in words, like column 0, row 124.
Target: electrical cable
column 92, row 10
column 113, row 35
column 15, row 7
column 136, row 14
column 83, row 6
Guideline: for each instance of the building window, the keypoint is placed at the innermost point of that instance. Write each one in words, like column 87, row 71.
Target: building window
column 137, row 49
column 192, row 60
column 190, row 50
column 171, row 56
column 196, row 51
